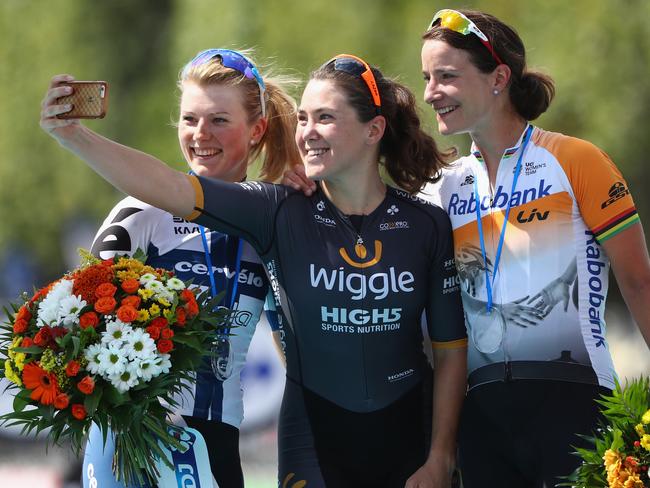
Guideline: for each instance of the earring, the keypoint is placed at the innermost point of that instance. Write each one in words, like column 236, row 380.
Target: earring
column 496, row 92
column 252, row 142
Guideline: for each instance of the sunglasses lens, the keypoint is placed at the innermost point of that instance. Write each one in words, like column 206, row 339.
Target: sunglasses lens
column 454, row 21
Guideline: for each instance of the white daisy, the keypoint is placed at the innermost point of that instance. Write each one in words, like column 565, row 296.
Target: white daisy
column 112, row 360
column 139, row 344
column 147, row 368
column 175, row 284
column 116, row 332
column 127, row 379
column 92, row 355
column 70, row 309
column 147, row 277
column 164, row 363
column 48, row 309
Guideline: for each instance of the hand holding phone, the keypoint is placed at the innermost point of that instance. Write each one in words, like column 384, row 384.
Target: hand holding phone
column 89, row 100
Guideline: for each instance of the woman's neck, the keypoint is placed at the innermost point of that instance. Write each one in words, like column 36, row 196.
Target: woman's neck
column 498, row 136
column 358, row 194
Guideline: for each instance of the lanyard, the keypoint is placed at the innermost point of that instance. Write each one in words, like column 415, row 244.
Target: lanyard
column 497, row 257
column 208, row 262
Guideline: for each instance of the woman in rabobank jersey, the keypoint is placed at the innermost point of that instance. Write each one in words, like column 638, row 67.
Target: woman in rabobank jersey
column 354, row 267
column 229, row 115
column 538, row 217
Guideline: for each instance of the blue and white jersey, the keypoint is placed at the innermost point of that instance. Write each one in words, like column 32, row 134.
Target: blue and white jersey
column 176, row 244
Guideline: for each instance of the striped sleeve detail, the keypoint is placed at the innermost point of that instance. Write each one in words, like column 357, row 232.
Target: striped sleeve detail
column 450, row 344
column 616, row 224
column 198, row 198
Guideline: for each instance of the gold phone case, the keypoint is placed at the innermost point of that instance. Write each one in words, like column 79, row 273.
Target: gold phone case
column 89, row 100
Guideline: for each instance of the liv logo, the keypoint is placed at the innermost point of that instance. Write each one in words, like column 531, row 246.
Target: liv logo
column 534, row 214
column 362, row 253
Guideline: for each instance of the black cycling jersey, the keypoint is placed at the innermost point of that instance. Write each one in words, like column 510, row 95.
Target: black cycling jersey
column 352, row 301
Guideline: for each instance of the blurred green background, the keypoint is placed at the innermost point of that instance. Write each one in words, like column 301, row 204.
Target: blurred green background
column 598, row 51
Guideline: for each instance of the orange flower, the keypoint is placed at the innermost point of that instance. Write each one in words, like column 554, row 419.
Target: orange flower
column 24, row 313
column 27, row 341
column 72, row 369
column 43, row 337
column 154, row 332
column 88, row 319
column 108, row 262
column 187, row 295
column 78, row 411
column 130, row 285
column 44, row 385
column 181, row 316
column 192, row 309
column 165, row 345
column 127, row 313
column 105, row 290
column 61, row 401
column 166, row 333
column 132, row 300
column 87, row 281
column 105, row 305
column 20, row 326
column 86, row 385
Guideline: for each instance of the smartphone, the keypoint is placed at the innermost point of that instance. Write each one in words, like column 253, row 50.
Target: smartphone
column 89, row 100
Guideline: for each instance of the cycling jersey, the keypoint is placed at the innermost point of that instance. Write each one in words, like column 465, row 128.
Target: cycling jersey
column 175, row 244
column 569, row 198
column 351, row 300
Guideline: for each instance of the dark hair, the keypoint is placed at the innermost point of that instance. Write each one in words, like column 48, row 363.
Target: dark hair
column 410, row 156
column 531, row 92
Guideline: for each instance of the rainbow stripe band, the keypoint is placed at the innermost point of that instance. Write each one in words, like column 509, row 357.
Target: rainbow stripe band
column 616, row 224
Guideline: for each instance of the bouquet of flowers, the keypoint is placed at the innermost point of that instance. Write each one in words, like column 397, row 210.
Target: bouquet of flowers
column 620, row 457
column 111, row 342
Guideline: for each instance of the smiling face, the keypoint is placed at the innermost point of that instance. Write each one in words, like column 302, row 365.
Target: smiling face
column 331, row 139
column 461, row 95
column 214, row 131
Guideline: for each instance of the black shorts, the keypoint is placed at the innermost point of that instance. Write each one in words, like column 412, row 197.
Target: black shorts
column 520, row 434
column 328, row 446
column 222, row 441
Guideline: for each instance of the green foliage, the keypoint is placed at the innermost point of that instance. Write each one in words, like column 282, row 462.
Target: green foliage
column 623, row 412
column 598, row 53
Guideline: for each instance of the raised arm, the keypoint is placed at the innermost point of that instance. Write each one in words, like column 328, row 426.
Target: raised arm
column 131, row 171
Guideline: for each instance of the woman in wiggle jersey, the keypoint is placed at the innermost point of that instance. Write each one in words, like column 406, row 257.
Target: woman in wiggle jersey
column 229, row 115
column 538, row 218
column 353, row 266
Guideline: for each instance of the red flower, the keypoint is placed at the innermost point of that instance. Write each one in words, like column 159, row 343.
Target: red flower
column 160, row 322
column 43, row 337
column 132, row 300
column 108, row 262
column 88, row 319
column 61, row 401
column 166, row 333
column 41, row 293
column 105, row 290
column 127, row 313
column 131, row 285
column 27, row 342
column 72, row 369
column 181, row 316
column 20, row 326
column 105, row 305
column 154, row 332
column 44, row 385
column 78, row 411
column 165, row 345
column 59, row 331
column 192, row 309
column 86, row 385
column 24, row 314
column 187, row 295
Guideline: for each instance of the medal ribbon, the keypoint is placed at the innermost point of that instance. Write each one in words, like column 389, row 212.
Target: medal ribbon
column 497, row 257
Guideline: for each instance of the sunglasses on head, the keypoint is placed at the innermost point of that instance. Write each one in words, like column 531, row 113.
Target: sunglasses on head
column 233, row 60
column 457, row 22
column 358, row 67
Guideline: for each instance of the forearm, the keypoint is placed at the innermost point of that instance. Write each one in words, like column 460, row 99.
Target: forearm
column 133, row 172
column 450, row 385
column 637, row 299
